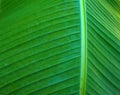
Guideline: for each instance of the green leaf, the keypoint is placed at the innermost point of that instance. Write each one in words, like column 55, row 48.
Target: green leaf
column 39, row 47
column 59, row 47
column 103, row 17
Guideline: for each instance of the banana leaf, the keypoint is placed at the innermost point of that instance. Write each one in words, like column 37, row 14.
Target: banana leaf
column 59, row 47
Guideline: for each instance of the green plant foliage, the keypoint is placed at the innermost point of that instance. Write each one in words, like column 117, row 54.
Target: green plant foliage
column 39, row 47
column 103, row 17
column 42, row 43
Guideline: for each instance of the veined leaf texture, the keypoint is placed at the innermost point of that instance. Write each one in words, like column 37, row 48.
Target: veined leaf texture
column 59, row 47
